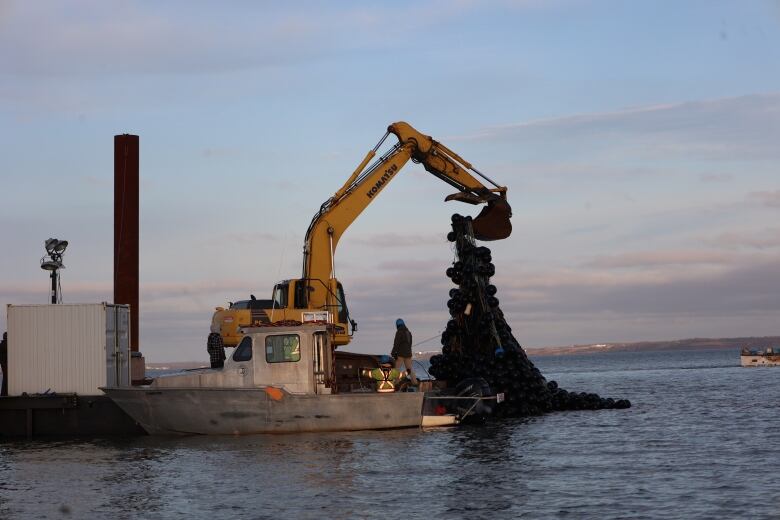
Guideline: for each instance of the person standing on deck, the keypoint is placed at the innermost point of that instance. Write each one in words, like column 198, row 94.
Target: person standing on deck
column 402, row 349
column 216, row 347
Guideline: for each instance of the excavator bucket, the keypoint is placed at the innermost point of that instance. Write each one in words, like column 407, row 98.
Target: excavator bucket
column 493, row 223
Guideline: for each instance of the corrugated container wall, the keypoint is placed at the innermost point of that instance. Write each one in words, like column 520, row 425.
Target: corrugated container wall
column 67, row 348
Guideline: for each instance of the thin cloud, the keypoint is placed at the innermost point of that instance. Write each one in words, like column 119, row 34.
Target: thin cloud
column 661, row 258
column 175, row 316
column 258, row 236
column 78, row 291
column 119, row 38
column 751, row 287
column 395, row 240
column 411, row 266
column 765, row 239
column 726, row 128
column 770, row 199
column 98, row 181
column 113, row 37
column 220, row 152
column 716, row 177
column 533, row 301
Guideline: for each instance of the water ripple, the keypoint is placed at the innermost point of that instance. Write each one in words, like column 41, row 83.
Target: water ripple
column 700, row 442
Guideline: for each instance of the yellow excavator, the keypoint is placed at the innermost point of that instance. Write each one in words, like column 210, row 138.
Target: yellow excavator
column 318, row 295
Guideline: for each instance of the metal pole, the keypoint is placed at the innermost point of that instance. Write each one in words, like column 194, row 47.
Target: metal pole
column 126, row 228
column 54, row 286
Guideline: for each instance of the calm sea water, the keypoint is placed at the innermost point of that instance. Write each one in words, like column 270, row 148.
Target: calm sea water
column 701, row 441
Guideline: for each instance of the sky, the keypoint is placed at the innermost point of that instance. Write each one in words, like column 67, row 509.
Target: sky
column 639, row 142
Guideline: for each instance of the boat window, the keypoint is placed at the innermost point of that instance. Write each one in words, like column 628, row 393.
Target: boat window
column 300, row 294
column 244, row 350
column 283, row 348
column 343, row 313
column 280, row 296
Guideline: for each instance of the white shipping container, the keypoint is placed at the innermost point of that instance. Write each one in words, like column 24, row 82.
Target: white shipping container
column 68, row 348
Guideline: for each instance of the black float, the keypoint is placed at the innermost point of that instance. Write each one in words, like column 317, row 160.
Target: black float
column 478, row 348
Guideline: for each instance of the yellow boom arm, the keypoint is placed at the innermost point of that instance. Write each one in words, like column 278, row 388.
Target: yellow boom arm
column 365, row 184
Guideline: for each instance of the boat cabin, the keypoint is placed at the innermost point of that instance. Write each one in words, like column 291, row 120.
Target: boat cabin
column 296, row 358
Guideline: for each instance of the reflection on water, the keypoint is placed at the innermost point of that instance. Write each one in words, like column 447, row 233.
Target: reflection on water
column 700, row 442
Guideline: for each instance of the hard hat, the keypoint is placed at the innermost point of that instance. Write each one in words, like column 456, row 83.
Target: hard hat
column 399, row 322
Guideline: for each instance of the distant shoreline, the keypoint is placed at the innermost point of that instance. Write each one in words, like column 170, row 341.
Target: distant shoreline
column 753, row 342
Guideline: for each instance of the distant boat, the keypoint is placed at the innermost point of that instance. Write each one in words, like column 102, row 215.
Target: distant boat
column 760, row 358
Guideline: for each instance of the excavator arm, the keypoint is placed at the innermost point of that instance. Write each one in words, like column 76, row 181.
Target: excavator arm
column 493, row 221
column 364, row 185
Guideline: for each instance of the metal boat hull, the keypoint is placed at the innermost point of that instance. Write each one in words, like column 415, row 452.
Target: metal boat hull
column 237, row 411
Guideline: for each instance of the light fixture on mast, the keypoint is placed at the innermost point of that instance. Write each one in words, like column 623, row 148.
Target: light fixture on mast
column 52, row 262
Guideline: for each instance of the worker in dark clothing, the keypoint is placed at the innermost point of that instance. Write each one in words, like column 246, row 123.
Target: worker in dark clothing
column 216, row 349
column 402, row 349
column 4, row 363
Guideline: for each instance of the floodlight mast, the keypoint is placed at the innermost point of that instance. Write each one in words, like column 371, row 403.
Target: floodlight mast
column 53, row 263
column 54, row 276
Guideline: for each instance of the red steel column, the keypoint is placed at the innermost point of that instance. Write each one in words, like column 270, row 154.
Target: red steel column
column 126, row 228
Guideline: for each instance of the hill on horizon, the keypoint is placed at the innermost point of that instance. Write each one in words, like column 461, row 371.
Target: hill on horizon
column 753, row 342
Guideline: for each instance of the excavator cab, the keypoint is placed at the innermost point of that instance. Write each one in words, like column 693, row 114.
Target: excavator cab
column 291, row 302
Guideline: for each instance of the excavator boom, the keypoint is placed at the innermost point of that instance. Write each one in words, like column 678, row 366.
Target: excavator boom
column 366, row 182
column 493, row 221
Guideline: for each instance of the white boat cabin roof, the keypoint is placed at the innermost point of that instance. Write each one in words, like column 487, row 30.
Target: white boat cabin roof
column 295, row 358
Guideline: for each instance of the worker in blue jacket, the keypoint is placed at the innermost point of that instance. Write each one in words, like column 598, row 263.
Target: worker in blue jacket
column 402, row 349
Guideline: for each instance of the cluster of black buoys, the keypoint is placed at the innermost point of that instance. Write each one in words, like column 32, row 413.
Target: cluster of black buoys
column 478, row 344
